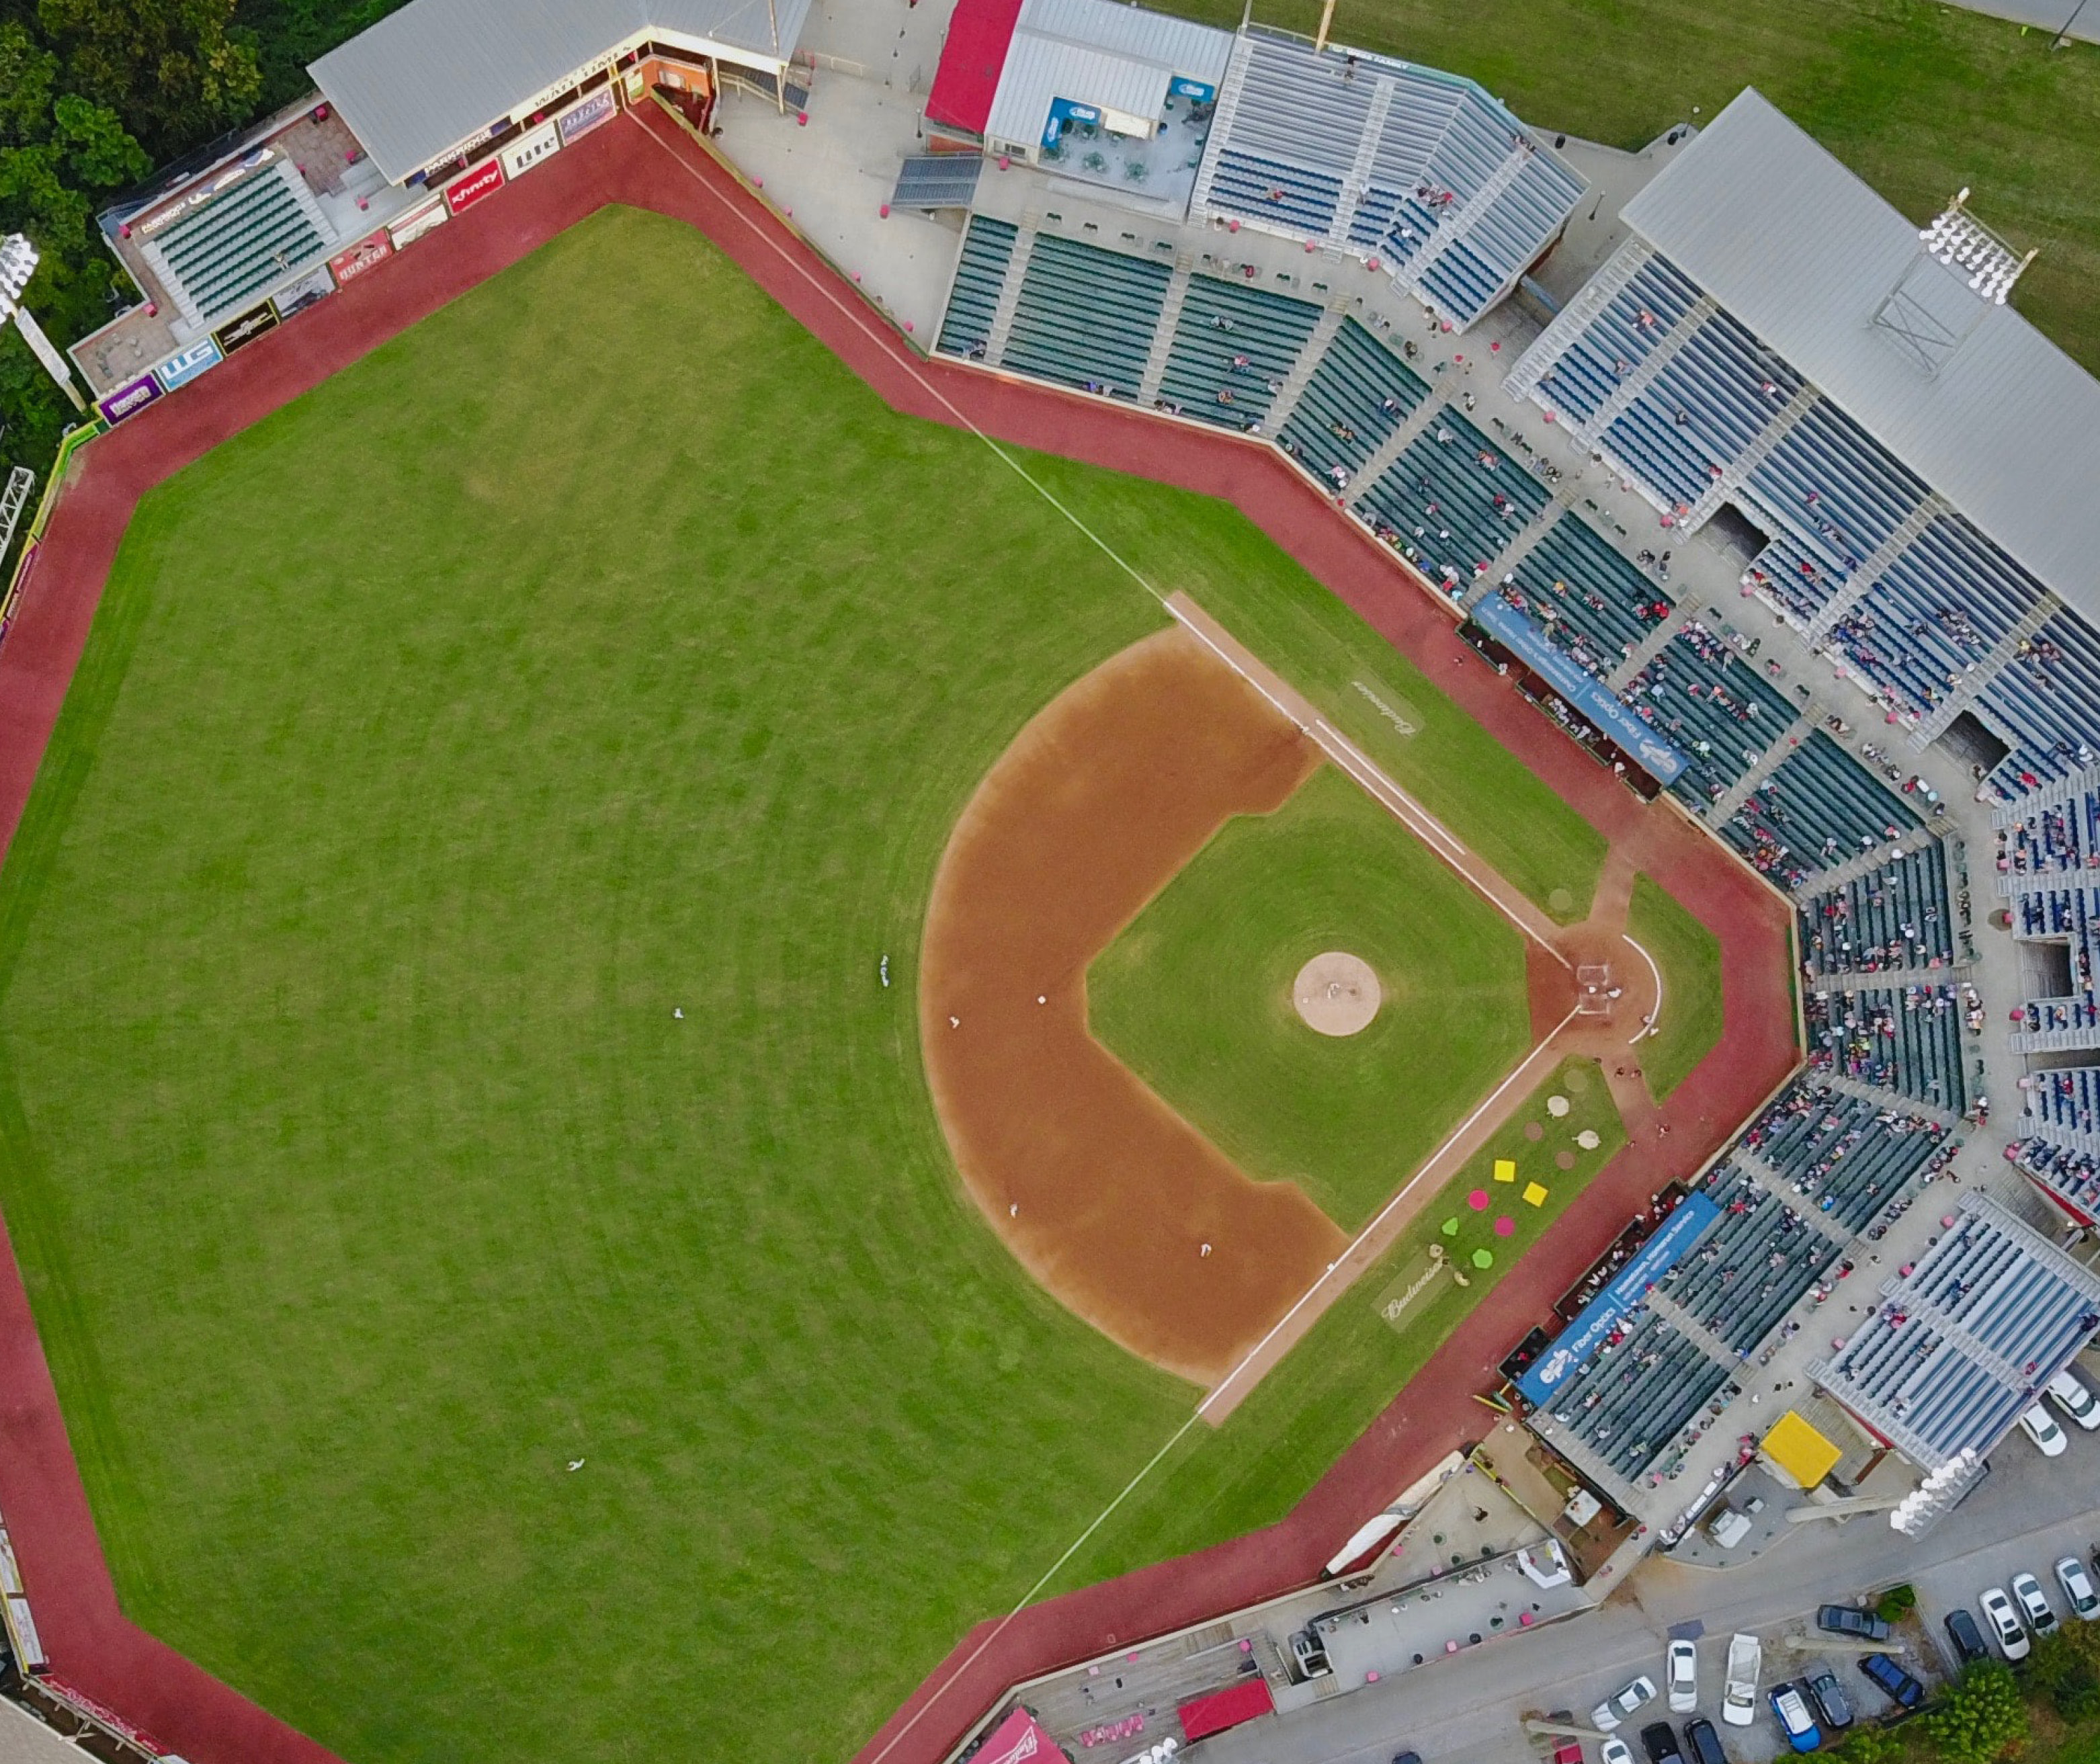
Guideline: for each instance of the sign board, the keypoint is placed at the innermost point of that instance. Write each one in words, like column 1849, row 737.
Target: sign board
column 238, row 333
column 197, row 195
column 484, row 180
column 581, row 119
column 1182, row 86
column 411, row 228
column 347, row 266
column 530, row 148
column 185, row 365
column 29, row 1648
column 296, row 297
column 1569, row 1352
column 129, row 400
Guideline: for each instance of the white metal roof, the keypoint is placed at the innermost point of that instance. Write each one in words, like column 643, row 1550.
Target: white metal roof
column 1803, row 252
column 428, row 77
column 1097, row 52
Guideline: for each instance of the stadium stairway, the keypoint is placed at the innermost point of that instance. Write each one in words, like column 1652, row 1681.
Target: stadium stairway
column 1873, row 567
column 1602, row 289
column 1630, row 388
column 1295, row 381
column 1931, row 729
column 1738, row 468
column 1009, row 294
column 1396, row 443
column 1694, row 1331
column 1651, row 646
column 1170, row 321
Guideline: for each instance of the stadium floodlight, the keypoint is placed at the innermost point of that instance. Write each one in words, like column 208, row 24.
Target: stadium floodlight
column 18, row 263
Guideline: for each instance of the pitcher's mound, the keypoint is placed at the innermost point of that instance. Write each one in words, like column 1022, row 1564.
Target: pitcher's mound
column 1336, row 993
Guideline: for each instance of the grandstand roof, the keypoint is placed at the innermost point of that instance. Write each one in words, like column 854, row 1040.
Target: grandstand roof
column 2006, row 427
column 426, row 78
column 1097, row 52
column 972, row 60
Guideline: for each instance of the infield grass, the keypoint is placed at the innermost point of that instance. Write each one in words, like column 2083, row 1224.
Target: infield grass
column 439, row 741
column 1920, row 99
column 1689, row 956
column 1195, row 997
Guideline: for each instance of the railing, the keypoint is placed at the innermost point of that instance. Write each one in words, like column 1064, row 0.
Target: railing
column 74, row 437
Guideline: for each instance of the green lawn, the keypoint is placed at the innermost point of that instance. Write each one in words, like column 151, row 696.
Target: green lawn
column 437, row 740
column 1690, row 958
column 1195, row 997
column 1920, row 99
column 1363, row 685
column 1255, row 1468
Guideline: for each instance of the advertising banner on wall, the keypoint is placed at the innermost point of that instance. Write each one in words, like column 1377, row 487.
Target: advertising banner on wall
column 530, row 148
column 296, row 297
column 411, row 227
column 581, row 119
column 185, row 365
column 129, row 400
column 484, row 180
column 238, row 333
column 347, row 266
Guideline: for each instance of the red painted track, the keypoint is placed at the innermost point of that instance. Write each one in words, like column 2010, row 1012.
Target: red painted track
column 653, row 165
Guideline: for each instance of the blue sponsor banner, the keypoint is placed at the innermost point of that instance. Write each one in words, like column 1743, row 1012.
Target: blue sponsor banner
column 185, row 365
column 1584, row 692
column 1570, row 1351
column 1064, row 110
column 1182, row 86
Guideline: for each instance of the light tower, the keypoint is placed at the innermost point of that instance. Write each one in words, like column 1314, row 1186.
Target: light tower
column 18, row 263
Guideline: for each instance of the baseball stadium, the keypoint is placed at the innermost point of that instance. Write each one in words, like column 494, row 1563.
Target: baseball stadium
column 894, row 853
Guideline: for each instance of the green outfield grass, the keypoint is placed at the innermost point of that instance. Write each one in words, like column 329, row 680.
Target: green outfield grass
column 1921, row 99
column 1253, row 1469
column 439, row 739
column 1195, row 997
column 1689, row 956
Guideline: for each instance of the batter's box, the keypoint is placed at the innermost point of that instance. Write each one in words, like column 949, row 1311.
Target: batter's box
column 1593, row 990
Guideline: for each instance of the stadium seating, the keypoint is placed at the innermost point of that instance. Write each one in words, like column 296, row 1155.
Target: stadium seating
column 2048, row 697
column 1592, row 600
column 1233, row 347
column 1359, row 395
column 2072, row 1175
column 2062, row 1106
column 1818, row 809
column 1908, row 1041
column 1722, row 714
column 218, row 257
column 1752, row 1266
column 1629, row 1402
column 1454, row 499
column 1085, row 316
column 2054, row 840
column 2071, row 915
column 1620, row 338
column 1896, row 916
column 1853, row 1157
column 973, row 295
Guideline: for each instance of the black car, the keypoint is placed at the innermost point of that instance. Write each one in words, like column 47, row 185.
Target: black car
column 1660, row 1744
column 1407, row 1758
column 1967, row 1638
column 1842, row 1620
column 1902, row 1689
column 1704, row 1741
column 1828, row 1697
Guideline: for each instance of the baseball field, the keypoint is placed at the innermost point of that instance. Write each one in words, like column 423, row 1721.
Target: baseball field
column 462, row 1117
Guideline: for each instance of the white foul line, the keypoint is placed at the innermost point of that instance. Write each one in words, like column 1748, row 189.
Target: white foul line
column 1385, row 1212
column 1655, row 1016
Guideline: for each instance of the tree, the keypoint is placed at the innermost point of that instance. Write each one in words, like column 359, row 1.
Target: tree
column 2066, row 1668
column 173, row 69
column 1982, row 1718
column 1869, row 1744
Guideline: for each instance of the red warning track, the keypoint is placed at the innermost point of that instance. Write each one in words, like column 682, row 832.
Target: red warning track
column 652, row 165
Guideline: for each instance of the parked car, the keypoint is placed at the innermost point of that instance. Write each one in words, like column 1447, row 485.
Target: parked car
column 1683, row 1678
column 1969, row 1644
column 1622, row 1702
column 1833, row 1713
column 1794, row 1720
column 1615, row 1751
column 1904, row 1691
column 2048, row 1437
column 2004, row 1622
column 1415, row 1757
column 1842, row 1620
column 1660, row 1744
column 1739, row 1691
column 2077, row 1590
column 1569, row 1752
column 2034, row 1604
column 2071, row 1393
column 1703, row 1740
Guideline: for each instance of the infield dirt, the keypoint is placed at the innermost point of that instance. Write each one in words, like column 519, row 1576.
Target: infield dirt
column 1114, row 1203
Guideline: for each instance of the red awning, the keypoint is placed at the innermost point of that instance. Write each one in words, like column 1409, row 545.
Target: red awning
column 971, row 63
column 1016, row 1738
column 1221, row 1709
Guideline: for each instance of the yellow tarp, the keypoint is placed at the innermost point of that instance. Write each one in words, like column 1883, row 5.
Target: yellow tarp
column 1505, row 1169
column 1799, row 1450
column 1535, row 1193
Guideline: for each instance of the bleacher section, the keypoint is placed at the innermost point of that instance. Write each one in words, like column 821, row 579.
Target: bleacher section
column 2041, row 840
column 2071, row 915
column 2063, row 1106
column 1454, row 194
column 1896, row 916
column 1455, row 499
column 1629, row 1403
column 1818, row 809
column 1750, row 1269
column 1359, row 395
column 1851, row 1157
column 2047, row 860
column 1714, row 704
column 1592, row 600
column 2047, row 698
column 1085, row 316
column 1908, row 1041
column 973, row 298
column 217, row 258
column 2070, row 1178
column 1233, row 348
column 1618, row 339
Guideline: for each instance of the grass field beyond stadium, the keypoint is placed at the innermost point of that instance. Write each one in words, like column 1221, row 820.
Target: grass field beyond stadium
column 437, row 741
column 1195, row 997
